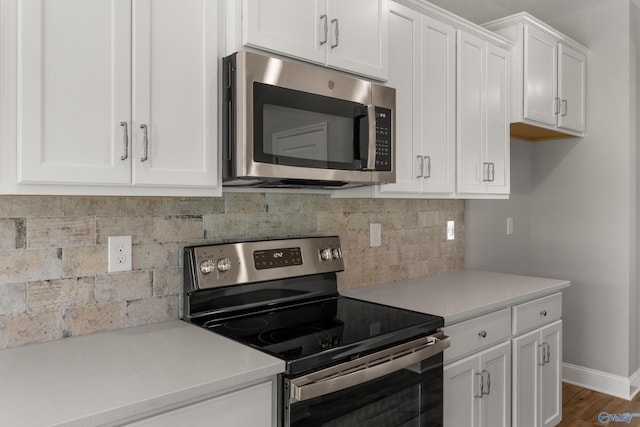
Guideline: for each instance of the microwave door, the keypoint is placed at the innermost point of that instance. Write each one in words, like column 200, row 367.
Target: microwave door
column 301, row 129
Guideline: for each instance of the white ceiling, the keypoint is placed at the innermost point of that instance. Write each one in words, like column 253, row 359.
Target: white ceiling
column 480, row 11
column 544, row 9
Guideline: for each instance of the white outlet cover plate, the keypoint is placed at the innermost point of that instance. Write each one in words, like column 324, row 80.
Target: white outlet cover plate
column 119, row 253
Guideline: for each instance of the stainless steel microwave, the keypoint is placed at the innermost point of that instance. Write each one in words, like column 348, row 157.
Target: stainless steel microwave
column 288, row 124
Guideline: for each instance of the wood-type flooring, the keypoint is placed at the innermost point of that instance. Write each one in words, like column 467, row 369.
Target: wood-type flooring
column 582, row 407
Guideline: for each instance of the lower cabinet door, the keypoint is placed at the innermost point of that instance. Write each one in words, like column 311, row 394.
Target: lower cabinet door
column 551, row 375
column 477, row 389
column 526, row 356
column 461, row 393
column 252, row 406
column 495, row 406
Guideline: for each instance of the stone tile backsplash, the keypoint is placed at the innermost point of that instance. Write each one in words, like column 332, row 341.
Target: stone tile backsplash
column 53, row 266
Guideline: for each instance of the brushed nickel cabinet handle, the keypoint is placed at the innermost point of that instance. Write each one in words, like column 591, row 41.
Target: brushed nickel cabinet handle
column 481, row 392
column 421, row 166
column 323, row 18
column 145, row 143
column 428, row 175
column 336, row 32
column 125, row 141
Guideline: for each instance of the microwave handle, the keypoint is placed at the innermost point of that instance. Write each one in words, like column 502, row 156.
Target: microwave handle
column 371, row 152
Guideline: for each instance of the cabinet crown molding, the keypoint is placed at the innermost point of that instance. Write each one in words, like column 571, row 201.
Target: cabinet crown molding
column 458, row 22
column 526, row 18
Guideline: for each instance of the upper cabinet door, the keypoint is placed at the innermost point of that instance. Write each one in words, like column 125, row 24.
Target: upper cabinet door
column 438, row 105
column 299, row 28
column 404, row 76
column 74, row 90
column 540, row 76
column 348, row 35
column 175, row 81
column 471, row 170
column 497, row 121
column 572, row 76
column 358, row 36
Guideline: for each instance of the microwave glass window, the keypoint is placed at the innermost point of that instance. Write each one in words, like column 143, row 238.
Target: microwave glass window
column 302, row 129
column 305, row 135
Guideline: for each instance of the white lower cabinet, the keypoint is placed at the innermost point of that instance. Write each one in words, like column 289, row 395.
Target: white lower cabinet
column 477, row 389
column 252, row 406
column 537, row 377
column 505, row 368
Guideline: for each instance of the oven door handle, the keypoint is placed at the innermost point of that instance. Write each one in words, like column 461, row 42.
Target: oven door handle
column 366, row 368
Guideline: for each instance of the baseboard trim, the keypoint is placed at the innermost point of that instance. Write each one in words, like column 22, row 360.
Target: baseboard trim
column 635, row 383
column 603, row 382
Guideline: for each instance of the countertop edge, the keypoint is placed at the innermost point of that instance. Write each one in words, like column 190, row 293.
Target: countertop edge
column 181, row 398
column 498, row 305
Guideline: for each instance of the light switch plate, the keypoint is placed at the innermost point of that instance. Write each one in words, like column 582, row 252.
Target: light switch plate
column 375, row 235
column 451, row 230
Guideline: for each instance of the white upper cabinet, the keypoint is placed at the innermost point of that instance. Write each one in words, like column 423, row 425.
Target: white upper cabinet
column 452, row 98
column 423, row 73
column 482, row 128
column 73, row 91
column 572, row 70
column 112, row 97
column 549, row 79
column 347, row 35
column 175, row 90
column 292, row 27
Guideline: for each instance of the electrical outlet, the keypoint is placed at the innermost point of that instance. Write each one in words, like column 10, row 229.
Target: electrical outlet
column 375, row 235
column 451, row 230
column 119, row 253
column 509, row 226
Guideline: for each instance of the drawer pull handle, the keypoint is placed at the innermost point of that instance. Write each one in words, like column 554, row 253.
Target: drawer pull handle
column 482, row 334
column 543, row 313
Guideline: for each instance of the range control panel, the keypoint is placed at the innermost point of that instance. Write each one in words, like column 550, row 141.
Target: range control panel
column 274, row 258
column 247, row 262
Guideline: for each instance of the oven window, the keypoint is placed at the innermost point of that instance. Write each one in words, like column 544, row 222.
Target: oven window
column 410, row 397
column 301, row 129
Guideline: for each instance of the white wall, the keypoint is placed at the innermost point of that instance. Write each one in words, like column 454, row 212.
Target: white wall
column 582, row 198
column 487, row 245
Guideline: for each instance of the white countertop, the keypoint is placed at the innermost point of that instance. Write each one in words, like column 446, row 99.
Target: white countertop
column 98, row 379
column 459, row 295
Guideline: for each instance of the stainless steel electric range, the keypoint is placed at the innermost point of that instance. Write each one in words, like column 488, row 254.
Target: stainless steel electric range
column 348, row 362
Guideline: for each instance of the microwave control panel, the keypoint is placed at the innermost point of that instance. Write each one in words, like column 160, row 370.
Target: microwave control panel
column 383, row 139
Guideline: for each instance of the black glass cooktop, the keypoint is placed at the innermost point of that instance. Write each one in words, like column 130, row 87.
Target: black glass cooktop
column 313, row 334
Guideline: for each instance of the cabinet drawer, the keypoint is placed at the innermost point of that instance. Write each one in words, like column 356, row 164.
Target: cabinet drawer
column 536, row 313
column 478, row 333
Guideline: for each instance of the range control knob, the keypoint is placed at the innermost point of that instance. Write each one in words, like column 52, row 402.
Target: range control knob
column 223, row 264
column 337, row 253
column 207, row 266
column 326, row 254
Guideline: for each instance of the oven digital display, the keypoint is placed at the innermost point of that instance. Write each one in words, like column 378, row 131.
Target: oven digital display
column 274, row 258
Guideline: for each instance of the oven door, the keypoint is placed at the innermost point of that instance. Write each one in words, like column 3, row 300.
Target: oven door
column 400, row 386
